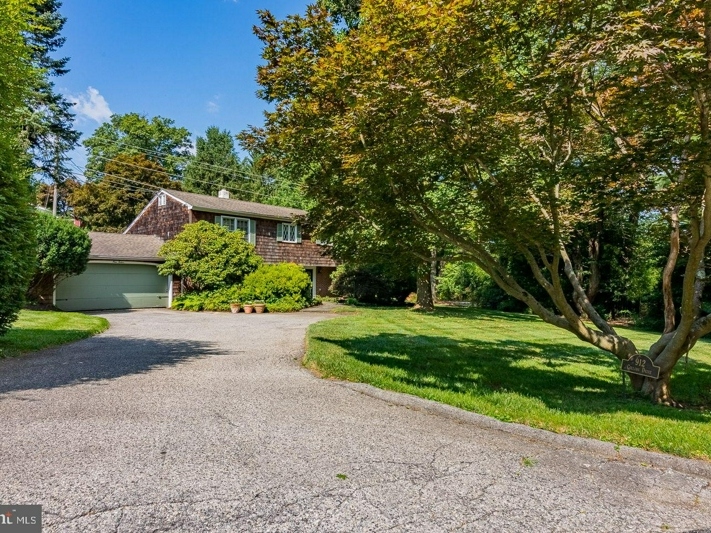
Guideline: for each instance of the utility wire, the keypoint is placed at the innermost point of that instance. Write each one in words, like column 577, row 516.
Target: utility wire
column 228, row 187
column 238, row 172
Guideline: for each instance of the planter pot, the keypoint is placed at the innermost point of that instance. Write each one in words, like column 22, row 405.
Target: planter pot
column 248, row 308
column 235, row 308
column 259, row 308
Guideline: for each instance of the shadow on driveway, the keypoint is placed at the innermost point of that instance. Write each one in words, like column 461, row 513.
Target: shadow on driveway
column 98, row 358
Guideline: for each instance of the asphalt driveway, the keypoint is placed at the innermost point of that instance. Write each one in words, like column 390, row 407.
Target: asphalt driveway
column 207, row 422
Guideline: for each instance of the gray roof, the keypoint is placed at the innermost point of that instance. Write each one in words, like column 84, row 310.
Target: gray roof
column 125, row 247
column 213, row 204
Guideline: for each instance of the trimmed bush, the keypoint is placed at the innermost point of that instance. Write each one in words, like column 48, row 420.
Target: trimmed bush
column 62, row 251
column 208, row 257
column 272, row 283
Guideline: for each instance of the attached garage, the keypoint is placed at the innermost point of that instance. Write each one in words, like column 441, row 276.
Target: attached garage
column 122, row 274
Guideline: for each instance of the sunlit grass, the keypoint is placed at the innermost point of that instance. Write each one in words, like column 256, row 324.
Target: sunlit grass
column 518, row 369
column 35, row 330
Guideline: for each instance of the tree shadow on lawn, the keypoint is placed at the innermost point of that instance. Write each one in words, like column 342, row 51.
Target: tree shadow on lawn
column 537, row 370
column 96, row 359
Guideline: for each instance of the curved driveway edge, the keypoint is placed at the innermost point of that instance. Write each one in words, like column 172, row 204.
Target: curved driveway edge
column 207, row 422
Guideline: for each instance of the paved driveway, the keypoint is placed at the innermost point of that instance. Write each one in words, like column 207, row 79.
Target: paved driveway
column 206, row 422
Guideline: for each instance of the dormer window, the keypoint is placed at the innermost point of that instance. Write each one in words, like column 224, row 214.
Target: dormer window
column 161, row 199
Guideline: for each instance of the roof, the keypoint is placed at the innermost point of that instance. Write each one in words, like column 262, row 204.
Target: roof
column 213, row 204
column 125, row 247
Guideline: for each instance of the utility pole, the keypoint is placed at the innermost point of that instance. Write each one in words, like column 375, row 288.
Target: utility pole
column 56, row 178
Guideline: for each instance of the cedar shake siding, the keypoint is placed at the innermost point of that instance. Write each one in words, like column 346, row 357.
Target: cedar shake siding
column 183, row 208
column 165, row 221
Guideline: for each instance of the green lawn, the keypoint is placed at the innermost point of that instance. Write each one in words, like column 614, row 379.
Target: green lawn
column 35, row 330
column 515, row 368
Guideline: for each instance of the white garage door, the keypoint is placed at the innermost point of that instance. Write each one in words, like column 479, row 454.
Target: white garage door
column 113, row 286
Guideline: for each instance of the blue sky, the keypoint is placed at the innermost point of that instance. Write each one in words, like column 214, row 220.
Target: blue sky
column 190, row 60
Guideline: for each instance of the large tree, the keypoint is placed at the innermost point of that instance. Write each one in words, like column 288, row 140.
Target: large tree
column 48, row 120
column 215, row 165
column 157, row 139
column 507, row 128
column 17, row 76
column 127, row 184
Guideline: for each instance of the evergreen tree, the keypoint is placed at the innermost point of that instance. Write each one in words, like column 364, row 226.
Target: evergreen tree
column 48, row 117
column 16, row 216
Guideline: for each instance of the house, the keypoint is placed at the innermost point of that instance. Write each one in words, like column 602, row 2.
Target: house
column 122, row 274
column 275, row 231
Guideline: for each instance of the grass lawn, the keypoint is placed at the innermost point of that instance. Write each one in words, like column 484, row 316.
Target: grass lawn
column 35, row 330
column 516, row 368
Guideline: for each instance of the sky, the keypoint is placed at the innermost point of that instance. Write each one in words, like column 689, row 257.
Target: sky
column 193, row 61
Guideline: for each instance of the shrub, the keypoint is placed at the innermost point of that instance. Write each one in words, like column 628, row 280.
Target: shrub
column 189, row 302
column 288, row 304
column 220, row 299
column 373, row 284
column 208, row 256
column 62, row 251
column 272, row 283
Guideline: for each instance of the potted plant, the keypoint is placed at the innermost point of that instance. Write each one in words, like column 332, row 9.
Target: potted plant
column 248, row 307
column 235, row 306
column 260, row 306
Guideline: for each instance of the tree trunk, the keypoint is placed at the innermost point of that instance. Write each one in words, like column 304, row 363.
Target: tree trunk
column 669, row 309
column 424, row 288
column 658, row 390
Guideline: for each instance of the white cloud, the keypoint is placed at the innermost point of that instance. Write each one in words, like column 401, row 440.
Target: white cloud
column 213, row 107
column 91, row 105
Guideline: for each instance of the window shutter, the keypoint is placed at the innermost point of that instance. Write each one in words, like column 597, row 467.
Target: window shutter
column 298, row 233
column 218, row 220
column 252, row 231
column 280, row 232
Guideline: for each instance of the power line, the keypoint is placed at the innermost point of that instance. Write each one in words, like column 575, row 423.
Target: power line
column 228, row 187
column 238, row 172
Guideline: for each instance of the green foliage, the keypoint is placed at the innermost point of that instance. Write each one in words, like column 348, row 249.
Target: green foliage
column 272, row 283
column 17, row 77
column 192, row 301
column 208, row 257
column 48, row 118
column 112, row 203
column 373, row 284
column 215, row 164
column 287, row 304
column 62, row 251
column 157, row 138
column 346, row 11
column 62, row 248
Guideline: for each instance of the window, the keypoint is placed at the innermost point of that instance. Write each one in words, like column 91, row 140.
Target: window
column 289, row 233
column 234, row 224
column 161, row 199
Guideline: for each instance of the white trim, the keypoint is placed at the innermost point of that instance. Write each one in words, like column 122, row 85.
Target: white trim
column 186, row 204
column 162, row 199
column 170, row 291
column 296, row 228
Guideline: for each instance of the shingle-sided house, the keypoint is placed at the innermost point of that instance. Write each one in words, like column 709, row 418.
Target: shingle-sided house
column 274, row 231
